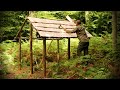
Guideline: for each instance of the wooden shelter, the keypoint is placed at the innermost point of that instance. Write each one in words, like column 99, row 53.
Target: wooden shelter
column 47, row 28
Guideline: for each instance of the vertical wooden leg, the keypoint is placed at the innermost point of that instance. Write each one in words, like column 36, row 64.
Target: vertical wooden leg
column 58, row 55
column 20, row 51
column 68, row 48
column 44, row 56
column 31, row 54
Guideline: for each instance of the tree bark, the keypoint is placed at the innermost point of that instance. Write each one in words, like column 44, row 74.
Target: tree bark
column 118, row 31
column 114, row 29
column 86, row 17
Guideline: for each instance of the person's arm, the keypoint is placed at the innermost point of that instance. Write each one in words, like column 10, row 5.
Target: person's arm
column 70, row 31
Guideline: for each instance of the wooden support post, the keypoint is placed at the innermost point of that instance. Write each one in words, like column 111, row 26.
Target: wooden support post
column 19, row 34
column 31, row 54
column 68, row 48
column 58, row 55
column 20, row 50
column 44, row 56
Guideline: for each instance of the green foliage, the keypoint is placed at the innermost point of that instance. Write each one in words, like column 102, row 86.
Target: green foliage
column 59, row 15
column 10, row 23
column 99, row 22
column 103, row 43
column 43, row 14
column 67, row 69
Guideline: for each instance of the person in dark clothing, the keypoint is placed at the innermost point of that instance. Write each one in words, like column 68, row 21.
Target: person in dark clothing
column 82, row 36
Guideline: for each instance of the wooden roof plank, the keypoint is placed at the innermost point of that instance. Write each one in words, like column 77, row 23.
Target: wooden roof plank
column 52, row 25
column 54, row 34
column 38, row 20
column 50, row 29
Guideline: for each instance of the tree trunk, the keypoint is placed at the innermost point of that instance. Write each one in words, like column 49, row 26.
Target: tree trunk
column 115, row 70
column 118, row 31
column 114, row 29
column 86, row 16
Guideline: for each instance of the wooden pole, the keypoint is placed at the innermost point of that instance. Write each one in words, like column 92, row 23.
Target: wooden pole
column 19, row 34
column 21, row 28
column 31, row 54
column 20, row 50
column 58, row 56
column 49, row 46
column 44, row 55
column 68, row 48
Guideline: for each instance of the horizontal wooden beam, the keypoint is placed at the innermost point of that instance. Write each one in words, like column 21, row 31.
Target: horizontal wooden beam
column 41, row 38
column 55, row 34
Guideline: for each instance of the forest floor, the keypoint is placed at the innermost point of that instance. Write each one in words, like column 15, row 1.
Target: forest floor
column 93, row 66
column 72, row 69
column 19, row 74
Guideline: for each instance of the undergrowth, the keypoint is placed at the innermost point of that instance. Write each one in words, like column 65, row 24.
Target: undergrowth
column 96, row 65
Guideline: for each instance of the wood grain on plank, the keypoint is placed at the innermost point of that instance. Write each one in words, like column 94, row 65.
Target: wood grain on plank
column 37, row 20
column 49, row 25
column 55, row 34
